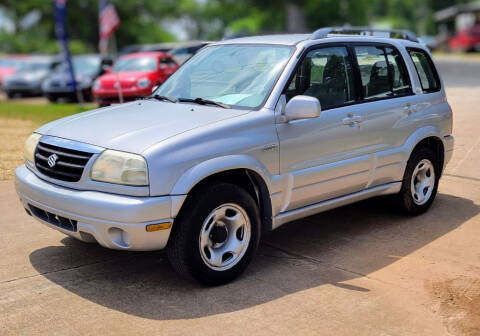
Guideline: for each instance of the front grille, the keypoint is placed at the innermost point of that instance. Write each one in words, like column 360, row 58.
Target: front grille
column 61, row 222
column 69, row 165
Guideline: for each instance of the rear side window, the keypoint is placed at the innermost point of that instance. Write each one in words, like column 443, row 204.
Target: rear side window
column 426, row 70
column 401, row 82
column 326, row 74
column 382, row 72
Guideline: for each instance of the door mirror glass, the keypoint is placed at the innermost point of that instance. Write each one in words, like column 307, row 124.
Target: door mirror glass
column 302, row 107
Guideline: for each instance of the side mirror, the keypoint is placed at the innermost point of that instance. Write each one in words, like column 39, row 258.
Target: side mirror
column 155, row 88
column 106, row 68
column 302, row 107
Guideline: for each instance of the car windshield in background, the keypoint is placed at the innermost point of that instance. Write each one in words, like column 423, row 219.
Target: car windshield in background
column 82, row 65
column 237, row 75
column 135, row 64
column 10, row 63
column 34, row 66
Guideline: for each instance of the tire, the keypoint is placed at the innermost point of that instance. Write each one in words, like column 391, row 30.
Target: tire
column 52, row 98
column 10, row 94
column 422, row 164
column 195, row 247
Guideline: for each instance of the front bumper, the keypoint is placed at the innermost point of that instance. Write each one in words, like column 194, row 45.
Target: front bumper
column 114, row 221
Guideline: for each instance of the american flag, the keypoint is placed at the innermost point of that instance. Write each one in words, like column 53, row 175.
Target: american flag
column 109, row 21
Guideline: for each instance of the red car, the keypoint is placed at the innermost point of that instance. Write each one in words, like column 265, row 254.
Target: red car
column 9, row 65
column 133, row 76
column 466, row 40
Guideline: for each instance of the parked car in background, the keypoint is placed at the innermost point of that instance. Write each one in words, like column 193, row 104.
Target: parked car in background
column 9, row 65
column 466, row 40
column 184, row 52
column 160, row 47
column 430, row 42
column 86, row 68
column 29, row 77
column 247, row 136
column 133, row 76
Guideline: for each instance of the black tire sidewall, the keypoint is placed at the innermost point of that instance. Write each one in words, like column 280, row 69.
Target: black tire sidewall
column 190, row 221
column 408, row 204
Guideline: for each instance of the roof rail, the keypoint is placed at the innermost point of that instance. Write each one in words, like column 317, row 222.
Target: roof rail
column 365, row 31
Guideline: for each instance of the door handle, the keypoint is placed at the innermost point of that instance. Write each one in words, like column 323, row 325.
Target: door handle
column 409, row 109
column 353, row 120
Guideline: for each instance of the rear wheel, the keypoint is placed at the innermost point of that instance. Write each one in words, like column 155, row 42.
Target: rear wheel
column 216, row 235
column 52, row 98
column 420, row 182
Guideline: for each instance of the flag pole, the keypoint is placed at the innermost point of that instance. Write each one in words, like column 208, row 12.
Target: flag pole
column 115, row 52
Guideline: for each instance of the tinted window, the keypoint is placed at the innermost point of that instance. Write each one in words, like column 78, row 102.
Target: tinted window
column 374, row 72
column 325, row 74
column 401, row 82
column 426, row 71
column 168, row 61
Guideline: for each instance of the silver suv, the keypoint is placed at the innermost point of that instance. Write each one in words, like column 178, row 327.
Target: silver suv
column 246, row 136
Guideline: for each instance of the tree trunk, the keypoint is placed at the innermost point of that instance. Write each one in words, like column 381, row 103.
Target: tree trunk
column 295, row 15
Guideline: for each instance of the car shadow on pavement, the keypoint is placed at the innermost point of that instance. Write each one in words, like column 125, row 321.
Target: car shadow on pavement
column 329, row 248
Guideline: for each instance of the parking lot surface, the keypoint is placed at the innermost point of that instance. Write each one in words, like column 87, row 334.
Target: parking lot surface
column 358, row 270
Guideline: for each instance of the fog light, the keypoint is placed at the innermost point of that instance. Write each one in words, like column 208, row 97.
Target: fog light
column 158, row 227
column 119, row 237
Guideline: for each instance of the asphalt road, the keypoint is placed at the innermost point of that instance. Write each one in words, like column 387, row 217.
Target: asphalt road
column 357, row 270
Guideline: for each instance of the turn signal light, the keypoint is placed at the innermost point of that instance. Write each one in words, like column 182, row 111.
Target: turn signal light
column 158, row 227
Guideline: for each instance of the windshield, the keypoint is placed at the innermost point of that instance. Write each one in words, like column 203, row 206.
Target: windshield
column 34, row 66
column 82, row 65
column 10, row 63
column 238, row 75
column 135, row 64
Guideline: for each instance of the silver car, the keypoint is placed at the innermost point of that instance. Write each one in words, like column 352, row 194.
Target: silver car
column 247, row 135
column 29, row 77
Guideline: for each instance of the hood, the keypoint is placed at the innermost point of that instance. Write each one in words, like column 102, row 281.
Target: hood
column 127, row 79
column 136, row 126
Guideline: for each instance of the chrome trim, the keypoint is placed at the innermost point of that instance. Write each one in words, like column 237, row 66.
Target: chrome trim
column 71, row 144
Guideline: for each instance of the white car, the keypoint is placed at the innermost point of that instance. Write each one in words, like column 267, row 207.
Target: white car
column 246, row 136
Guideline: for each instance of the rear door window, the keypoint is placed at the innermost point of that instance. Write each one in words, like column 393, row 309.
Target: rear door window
column 401, row 82
column 382, row 72
column 426, row 70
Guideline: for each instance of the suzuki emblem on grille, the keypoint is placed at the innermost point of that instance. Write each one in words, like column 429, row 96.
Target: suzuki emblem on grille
column 52, row 160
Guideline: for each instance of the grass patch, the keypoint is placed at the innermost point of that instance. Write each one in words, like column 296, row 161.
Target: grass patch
column 18, row 121
column 40, row 114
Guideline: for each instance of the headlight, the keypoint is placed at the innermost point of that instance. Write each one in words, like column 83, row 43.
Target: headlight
column 143, row 83
column 120, row 168
column 30, row 145
column 97, row 84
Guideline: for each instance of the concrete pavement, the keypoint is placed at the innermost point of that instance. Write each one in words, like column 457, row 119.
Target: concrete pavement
column 357, row 270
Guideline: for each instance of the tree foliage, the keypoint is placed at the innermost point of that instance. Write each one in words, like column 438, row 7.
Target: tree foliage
column 143, row 21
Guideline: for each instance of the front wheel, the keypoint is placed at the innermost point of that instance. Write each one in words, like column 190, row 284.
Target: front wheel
column 216, row 235
column 420, row 182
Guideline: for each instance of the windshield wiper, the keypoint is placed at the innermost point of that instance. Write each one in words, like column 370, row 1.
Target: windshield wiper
column 163, row 98
column 202, row 101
